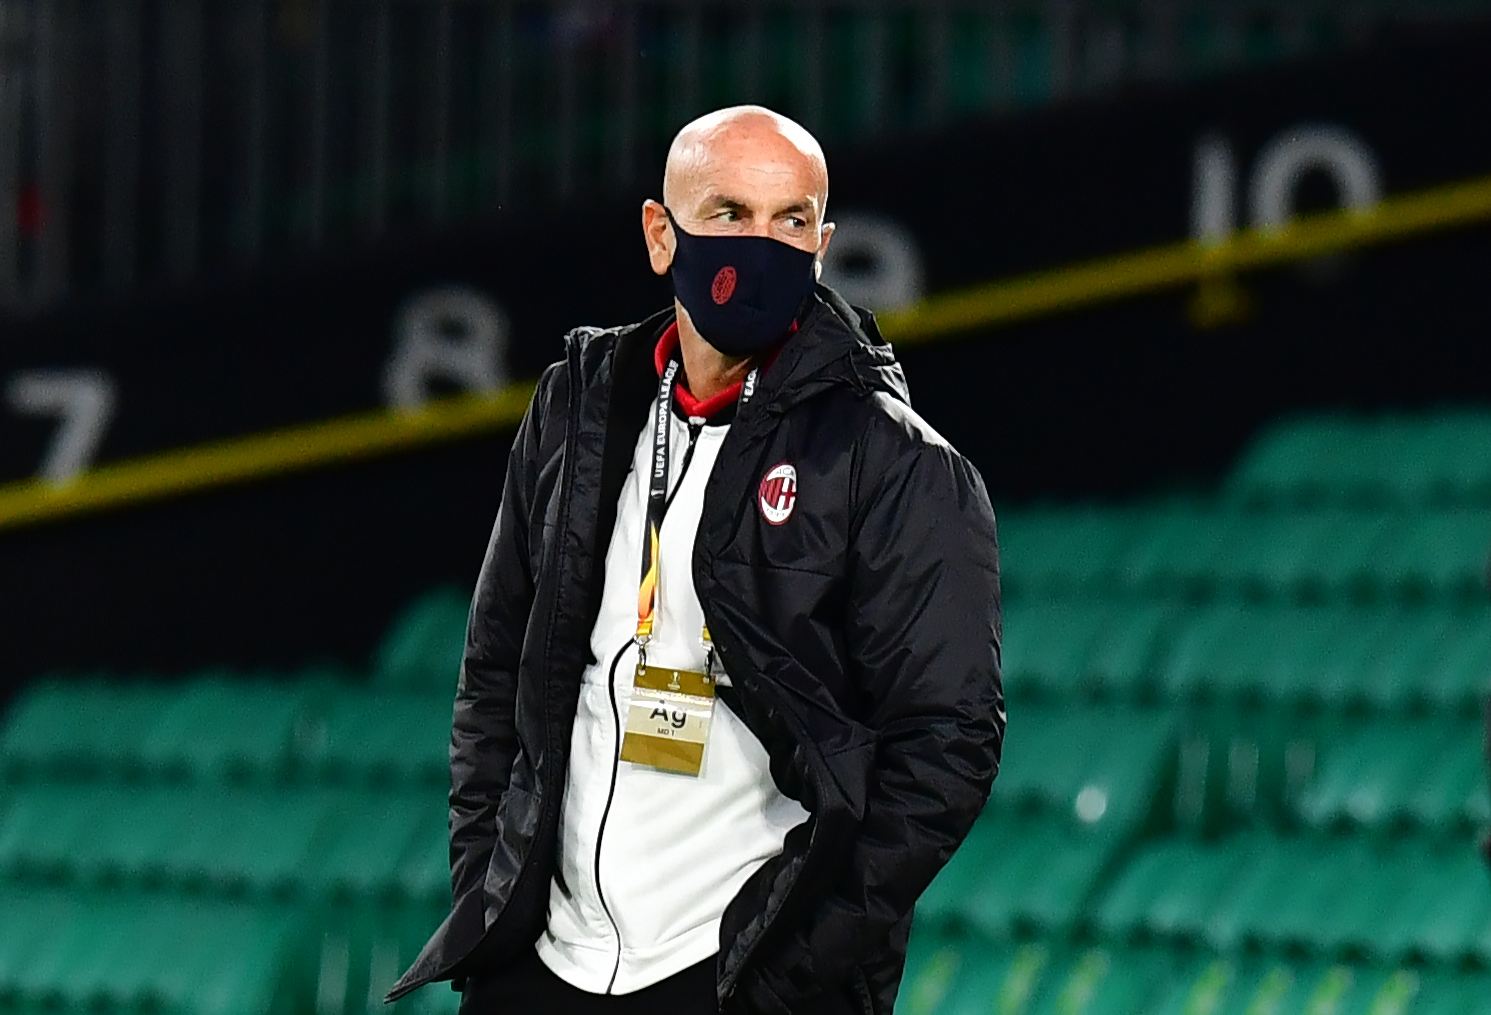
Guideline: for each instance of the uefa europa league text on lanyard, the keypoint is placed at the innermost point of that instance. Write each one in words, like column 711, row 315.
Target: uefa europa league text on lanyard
column 667, row 724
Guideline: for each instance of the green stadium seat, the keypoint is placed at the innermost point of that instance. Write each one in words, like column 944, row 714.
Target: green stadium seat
column 973, row 977
column 1459, row 444
column 79, row 726
column 1307, row 555
column 40, row 835
column 1082, row 648
column 217, row 727
column 369, row 838
column 1443, row 457
column 1428, row 772
column 136, row 830
column 1177, row 550
column 1016, row 874
column 381, row 736
column 1292, row 461
column 1213, row 649
column 360, row 952
column 248, row 841
column 1459, row 676
column 1238, row 652
column 1444, row 914
column 1165, row 890
column 1047, row 645
column 933, row 959
column 1187, row 551
column 1238, row 985
column 1439, row 553
column 217, row 839
column 305, row 843
column 1124, row 659
column 1096, row 768
column 302, row 842
column 1063, row 551
column 1329, row 896
column 423, row 648
column 425, row 871
column 1386, row 658
column 1453, row 789
column 132, row 954
column 1405, row 650
column 1100, row 981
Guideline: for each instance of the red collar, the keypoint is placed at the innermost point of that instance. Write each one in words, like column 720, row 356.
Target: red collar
column 691, row 406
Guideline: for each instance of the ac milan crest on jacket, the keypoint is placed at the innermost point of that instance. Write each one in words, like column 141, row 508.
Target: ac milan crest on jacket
column 854, row 606
column 778, row 493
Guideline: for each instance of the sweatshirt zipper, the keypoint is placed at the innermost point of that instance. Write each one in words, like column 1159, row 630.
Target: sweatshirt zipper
column 696, row 424
column 606, row 812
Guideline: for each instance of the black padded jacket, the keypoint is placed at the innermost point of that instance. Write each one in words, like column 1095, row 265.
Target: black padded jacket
column 862, row 638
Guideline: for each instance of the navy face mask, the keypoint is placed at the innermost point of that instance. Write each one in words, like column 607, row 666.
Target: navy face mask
column 742, row 292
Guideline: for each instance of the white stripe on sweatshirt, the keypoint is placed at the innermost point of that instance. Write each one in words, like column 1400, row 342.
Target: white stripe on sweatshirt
column 643, row 882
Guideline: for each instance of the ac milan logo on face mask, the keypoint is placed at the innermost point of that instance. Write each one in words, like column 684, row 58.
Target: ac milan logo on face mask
column 778, row 494
column 723, row 286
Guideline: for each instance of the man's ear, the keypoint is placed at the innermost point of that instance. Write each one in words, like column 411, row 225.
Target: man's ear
column 825, row 235
column 657, row 232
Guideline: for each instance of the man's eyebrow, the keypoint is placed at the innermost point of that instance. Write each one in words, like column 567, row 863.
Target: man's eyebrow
column 726, row 202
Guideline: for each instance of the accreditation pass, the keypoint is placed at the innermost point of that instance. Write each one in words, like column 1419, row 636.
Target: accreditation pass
column 667, row 722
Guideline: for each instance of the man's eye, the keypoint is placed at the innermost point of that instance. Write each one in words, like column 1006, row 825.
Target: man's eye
column 797, row 223
column 730, row 215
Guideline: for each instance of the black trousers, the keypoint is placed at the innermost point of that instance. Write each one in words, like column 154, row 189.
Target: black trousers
column 529, row 988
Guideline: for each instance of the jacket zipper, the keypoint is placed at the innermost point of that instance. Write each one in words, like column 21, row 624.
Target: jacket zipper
column 695, row 426
column 727, row 985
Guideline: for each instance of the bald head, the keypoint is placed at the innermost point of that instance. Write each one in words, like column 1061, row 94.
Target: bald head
column 749, row 147
column 744, row 170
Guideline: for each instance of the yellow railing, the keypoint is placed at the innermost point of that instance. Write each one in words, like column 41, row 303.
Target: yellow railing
column 262, row 455
column 1178, row 264
column 997, row 303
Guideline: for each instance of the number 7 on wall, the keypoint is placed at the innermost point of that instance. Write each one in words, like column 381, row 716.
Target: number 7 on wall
column 83, row 403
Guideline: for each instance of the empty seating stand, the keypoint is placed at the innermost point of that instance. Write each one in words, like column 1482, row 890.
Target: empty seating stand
column 1197, row 552
column 282, row 843
column 1243, row 775
column 1437, row 458
column 61, row 952
column 423, row 649
column 380, row 736
column 1393, row 901
column 954, row 976
column 1340, row 656
column 1078, row 788
column 289, row 829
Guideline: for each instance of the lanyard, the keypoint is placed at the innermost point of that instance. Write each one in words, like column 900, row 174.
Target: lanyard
column 657, row 504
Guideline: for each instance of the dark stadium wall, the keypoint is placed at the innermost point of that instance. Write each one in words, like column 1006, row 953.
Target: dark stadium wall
column 1112, row 400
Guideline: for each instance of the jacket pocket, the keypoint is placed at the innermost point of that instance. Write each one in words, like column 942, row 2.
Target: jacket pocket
column 517, row 825
column 864, row 1001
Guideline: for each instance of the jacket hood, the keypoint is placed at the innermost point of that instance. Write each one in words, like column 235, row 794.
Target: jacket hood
column 835, row 344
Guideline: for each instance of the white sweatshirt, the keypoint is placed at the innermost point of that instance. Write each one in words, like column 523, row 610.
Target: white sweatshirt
column 649, row 859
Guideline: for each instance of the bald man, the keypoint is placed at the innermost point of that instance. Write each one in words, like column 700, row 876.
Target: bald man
column 731, row 694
